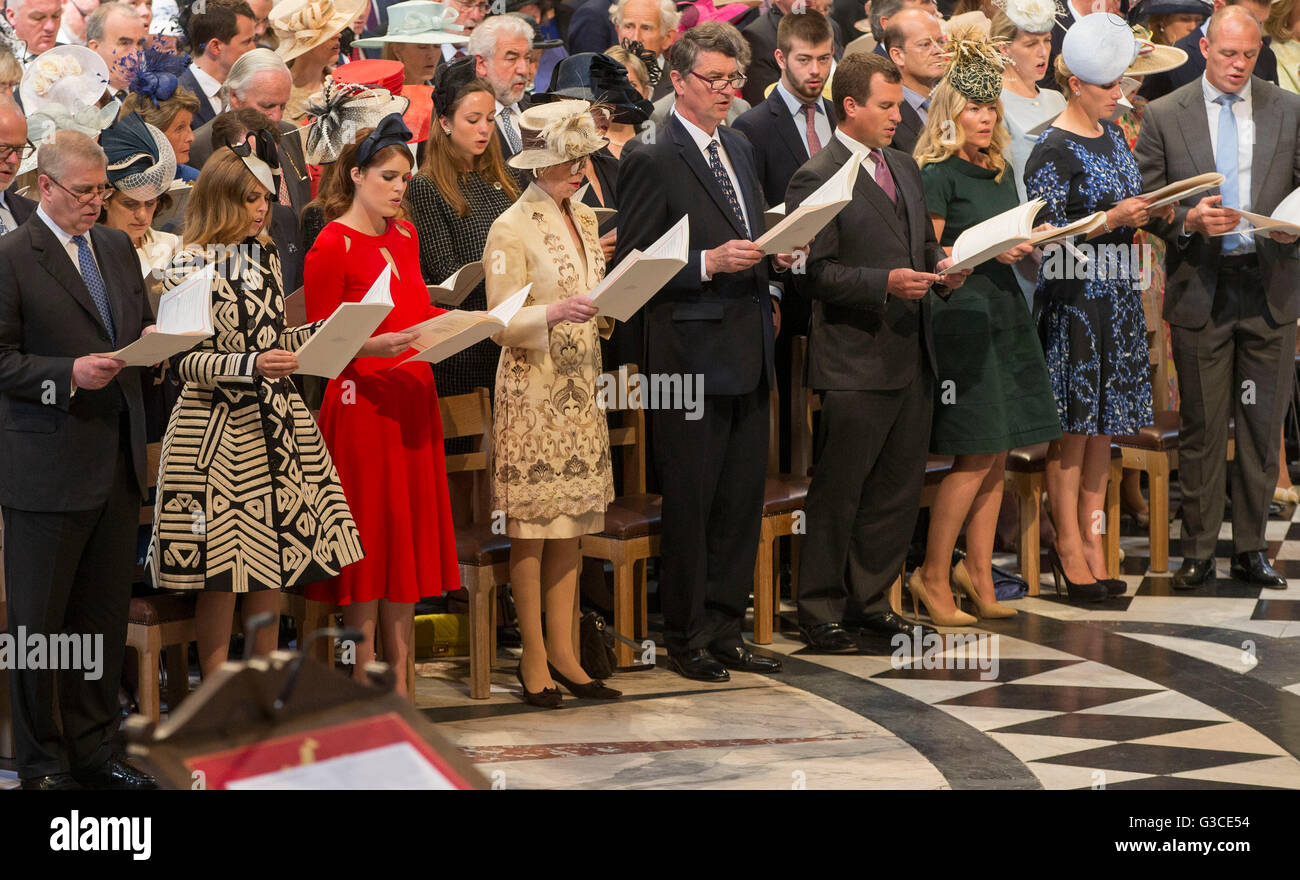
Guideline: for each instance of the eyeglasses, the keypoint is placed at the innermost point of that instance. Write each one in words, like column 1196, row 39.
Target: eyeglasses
column 926, row 45
column 24, row 150
column 103, row 192
column 720, row 85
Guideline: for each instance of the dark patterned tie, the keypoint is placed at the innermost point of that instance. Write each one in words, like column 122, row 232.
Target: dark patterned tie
column 95, row 284
column 516, row 143
column 724, row 181
column 814, row 142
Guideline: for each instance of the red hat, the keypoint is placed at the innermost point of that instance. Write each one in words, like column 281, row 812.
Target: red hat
column 383, row 74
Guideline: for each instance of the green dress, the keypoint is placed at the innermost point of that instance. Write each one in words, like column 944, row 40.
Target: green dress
column 993, row 392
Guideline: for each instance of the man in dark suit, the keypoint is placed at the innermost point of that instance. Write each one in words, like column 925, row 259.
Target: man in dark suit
column 871, row 356
column 914, row 42
column 590, row 29
column 219, row 34
column 14, row 209
column 761, row 34
column 501, row 45
column 792, row 124
column 1160, row 84
column 652, row 23
column 713, row 320
column 1231, row 300
column 72, row 464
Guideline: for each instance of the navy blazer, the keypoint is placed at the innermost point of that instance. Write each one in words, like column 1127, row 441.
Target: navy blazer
column 205, row 112
column 778, row 148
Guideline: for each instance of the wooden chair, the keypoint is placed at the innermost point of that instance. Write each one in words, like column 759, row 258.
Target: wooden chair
column 1025, row 475
column 784, row 499
column 482, row 547
column 633, row 524
column 164, row 620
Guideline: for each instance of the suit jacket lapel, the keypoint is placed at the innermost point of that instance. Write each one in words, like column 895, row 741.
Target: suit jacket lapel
column 1195, row 129
column 1265, row 124
column 55, row 260
column 913, row 200
column 695, row 160
column 787, row 128
column 870, row 191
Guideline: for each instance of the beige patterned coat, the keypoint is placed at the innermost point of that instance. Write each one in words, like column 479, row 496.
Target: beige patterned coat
column 551, row 466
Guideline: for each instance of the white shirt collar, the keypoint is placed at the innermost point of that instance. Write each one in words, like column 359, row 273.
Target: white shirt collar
column 855, row 146
column 700, row 136
column 1211, row 92
column 795, row 104
column 514, row 110
column 206, row 82
column 64, row 238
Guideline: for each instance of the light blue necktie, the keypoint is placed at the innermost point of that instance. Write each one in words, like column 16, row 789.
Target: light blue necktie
column 95, row 284
column 1226, row 164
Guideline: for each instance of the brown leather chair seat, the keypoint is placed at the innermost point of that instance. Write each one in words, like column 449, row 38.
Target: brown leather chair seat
column 633, row 516
column 783, row 493
column 479, row 545
column 1161, row 436
column 162, row 608
column 1028, row 459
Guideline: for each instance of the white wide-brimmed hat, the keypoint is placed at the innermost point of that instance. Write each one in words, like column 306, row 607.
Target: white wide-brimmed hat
column 71, row 76
column 302, row 25
column 556, row 133
column 1098, row 48
column 418, row 21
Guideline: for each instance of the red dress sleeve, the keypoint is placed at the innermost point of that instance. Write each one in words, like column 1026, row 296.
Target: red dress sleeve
column 323, row 278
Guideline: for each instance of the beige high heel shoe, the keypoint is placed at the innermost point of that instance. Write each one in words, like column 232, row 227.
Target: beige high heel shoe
column 961, row 577
column 916, row 586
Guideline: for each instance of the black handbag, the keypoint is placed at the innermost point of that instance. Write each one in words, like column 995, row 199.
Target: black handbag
column 596, row 644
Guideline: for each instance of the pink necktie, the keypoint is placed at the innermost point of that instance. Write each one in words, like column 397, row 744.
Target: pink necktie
column 883, row 178
column 814, row 142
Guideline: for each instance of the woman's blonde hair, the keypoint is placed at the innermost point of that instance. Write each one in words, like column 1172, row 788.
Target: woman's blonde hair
column 217, row 212
column 1062, row 75
column 943, row 135
column 1278, row 23
column 11, row 72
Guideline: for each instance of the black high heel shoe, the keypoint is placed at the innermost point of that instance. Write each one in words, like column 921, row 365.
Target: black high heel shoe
column 547, row 698
column 1091, row 592
column 591, row 690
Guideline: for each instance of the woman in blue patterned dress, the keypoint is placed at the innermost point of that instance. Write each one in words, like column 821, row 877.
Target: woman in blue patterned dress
column 1091, row 320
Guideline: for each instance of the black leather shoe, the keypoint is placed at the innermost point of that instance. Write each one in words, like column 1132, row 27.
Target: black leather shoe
column 1253, row 568
column 55, row 782
column 887, row 623
column 830, row 638
column 698, row 665
column 741, row 658
column 1194, row 573
column 116, row 775
column 591, row 690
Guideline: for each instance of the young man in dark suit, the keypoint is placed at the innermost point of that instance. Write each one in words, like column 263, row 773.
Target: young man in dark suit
column 713, row 320
column 220, row 32
column 72, row 463
column 763, row 38
column 871, row 356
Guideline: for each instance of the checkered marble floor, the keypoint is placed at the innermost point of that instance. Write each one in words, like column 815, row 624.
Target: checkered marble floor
column 1152, row 689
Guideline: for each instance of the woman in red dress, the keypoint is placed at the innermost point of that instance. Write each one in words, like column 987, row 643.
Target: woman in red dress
column 380, row 418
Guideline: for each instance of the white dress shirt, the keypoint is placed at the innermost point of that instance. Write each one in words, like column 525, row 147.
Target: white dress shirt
column 1243, row 113
column 918, row 102
column 209, row 86
column 702, row 140
column 69, row 247
column 821, row 123
column 856, row 146
column 514, row 121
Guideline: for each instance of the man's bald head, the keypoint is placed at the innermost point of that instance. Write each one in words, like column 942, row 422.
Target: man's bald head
column 13, row 133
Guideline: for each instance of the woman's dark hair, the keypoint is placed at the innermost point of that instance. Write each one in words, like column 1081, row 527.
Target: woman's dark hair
column 341, row 189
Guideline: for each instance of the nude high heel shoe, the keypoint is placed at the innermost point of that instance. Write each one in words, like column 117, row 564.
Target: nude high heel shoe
column 916, row 586
column 988, row 611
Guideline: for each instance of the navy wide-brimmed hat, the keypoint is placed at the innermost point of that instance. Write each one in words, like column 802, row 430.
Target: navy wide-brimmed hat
column 594, row 76
column 1147, row 8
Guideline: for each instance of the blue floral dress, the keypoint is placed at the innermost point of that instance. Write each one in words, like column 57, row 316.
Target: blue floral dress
column 1091, row 322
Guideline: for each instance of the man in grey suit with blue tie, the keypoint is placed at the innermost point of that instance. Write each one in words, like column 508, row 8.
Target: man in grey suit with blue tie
column 1232, row 299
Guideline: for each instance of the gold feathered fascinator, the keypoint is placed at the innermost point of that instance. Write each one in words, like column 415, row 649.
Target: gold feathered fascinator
column 556, row 133
column 975, row 66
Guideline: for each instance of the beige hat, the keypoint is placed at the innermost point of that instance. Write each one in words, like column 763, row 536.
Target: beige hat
column 556, row 133
column 302, row 25
column 1152, row 57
